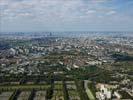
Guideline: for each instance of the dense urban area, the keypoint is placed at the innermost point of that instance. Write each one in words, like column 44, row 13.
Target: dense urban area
column 62, row 66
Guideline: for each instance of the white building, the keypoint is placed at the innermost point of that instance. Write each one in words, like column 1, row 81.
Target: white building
column 104, row 93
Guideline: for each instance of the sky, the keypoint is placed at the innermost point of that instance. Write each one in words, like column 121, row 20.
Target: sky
column 66, row 15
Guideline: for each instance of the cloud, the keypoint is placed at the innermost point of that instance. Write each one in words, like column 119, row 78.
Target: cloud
column 91, row 11
column 3, row 2
column 25, row 15
column 66, row 12
column 99, row 1
column 111, row 12
column 46, row 8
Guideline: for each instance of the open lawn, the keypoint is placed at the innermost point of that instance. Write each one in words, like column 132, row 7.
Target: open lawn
column 23, row 87
column 90, row 95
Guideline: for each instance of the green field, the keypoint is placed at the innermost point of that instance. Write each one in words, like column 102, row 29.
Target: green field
column 90, row 95
column 23, row 87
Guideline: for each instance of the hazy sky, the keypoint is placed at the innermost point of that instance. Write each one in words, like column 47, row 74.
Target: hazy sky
column 66, row 15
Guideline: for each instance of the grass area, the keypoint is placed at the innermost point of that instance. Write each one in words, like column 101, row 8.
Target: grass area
column 58, row 91
column 73, row 93
column 92, row 87
column 81, row 90
column 24, row 87
column 58, row 87
column 90, row 95
column 58, row 94
column 84, row 73
column 125, row 64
